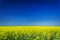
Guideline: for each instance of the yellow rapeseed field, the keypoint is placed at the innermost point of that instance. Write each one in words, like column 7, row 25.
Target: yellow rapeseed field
column 29, row 32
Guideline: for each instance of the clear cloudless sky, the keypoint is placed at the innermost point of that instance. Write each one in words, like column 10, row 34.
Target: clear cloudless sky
column 29, row 12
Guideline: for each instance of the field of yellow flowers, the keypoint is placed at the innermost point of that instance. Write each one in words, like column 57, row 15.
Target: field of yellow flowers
column 29, row 32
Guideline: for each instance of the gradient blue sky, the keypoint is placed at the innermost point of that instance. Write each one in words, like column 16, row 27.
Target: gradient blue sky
column 29, row 12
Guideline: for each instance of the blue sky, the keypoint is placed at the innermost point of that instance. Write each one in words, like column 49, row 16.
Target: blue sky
column 29, row 12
